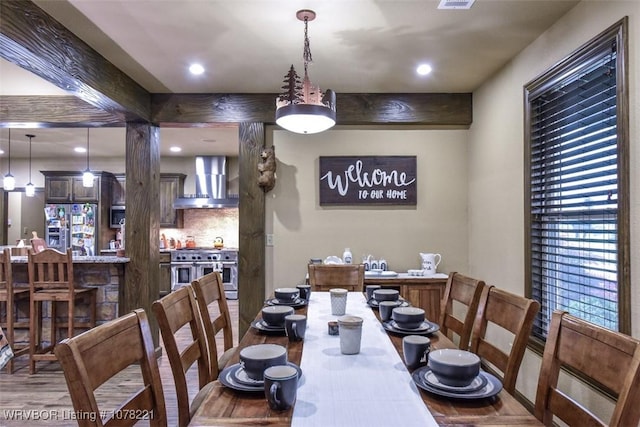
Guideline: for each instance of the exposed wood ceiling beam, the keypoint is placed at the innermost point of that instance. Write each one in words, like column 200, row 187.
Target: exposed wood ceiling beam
column 443, row 109
column 38, row 43
column 53, row 111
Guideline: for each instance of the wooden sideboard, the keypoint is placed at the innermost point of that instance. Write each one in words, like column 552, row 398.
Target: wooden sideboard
column 420, row 291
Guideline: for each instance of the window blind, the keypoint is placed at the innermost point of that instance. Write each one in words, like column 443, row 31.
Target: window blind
column 574, row 193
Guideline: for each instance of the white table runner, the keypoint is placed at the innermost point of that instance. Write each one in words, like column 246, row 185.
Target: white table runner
column 372, row 388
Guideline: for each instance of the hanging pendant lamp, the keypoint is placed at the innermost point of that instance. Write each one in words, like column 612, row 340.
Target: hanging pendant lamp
column 9, row 181
column 87, row 176
column 302, row 107
column 30, row 189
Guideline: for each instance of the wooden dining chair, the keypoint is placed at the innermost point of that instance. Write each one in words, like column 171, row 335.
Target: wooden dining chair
column 214, row 312
column 323, row 277
column 172, row 312
column 10, row 296
column 51, row 280
column 459, row 306
column 610, row 358
column 509, row 312
column 90, row 359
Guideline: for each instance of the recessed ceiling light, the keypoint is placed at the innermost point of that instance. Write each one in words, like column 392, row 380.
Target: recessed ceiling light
column 196, row 69
column 175, row 149
column 80, row 150
column 423, row 69
column 1, row 151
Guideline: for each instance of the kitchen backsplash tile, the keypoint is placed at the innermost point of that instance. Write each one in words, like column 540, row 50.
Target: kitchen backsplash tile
column 207, row 224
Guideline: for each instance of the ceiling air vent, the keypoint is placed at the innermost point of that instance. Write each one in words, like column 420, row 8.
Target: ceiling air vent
column 455, row 4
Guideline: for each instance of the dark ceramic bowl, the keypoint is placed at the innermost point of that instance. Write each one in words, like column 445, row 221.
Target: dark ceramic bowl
column 274, row 315
column 386, row 295
column 408, row 317
column 256, row 358
column 454, row 367
column 286, row 295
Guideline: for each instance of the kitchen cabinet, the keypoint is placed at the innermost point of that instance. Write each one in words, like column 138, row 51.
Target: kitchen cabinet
column 66, row 187
column 419, row 291
column 171, row 186
column 118, row 190
column 165, row 273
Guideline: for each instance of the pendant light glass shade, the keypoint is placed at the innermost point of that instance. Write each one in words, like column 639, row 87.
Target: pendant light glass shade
column 30, row 189
column 9, row 181
column 87, row 176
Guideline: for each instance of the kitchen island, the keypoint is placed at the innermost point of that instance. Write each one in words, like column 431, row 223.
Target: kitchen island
column 103, row 272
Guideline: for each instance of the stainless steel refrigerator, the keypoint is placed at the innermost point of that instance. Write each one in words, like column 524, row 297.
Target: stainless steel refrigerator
column 72, row 225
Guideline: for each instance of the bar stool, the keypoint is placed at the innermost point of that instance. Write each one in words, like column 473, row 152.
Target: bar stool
column 10, row 296
column 51, row 279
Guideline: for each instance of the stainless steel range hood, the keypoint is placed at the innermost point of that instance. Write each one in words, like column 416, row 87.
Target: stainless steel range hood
column 211, row 186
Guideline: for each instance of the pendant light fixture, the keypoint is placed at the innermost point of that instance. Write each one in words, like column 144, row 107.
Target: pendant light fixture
column 87, row 176
column 302, row 107
column 9, row 181
column 30, row 189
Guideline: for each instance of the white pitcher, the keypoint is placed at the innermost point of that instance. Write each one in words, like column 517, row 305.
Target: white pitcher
column 429, row 263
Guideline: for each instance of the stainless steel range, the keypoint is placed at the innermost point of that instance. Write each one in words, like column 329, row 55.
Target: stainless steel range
column 190, row 263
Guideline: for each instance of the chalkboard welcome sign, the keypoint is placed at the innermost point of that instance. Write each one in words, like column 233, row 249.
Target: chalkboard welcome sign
column 368, row 180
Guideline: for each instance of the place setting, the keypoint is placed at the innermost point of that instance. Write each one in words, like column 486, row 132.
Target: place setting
column 272, row 320
column 456, row 374
column 255, row 361
column 406, row 320
column 392, row 296
column 291, row 297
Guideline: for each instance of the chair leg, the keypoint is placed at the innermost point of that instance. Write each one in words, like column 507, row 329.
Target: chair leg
column 34, row 324
column 93, row 307
column 8, row 322
column 54, row 322
column 11, row 323
column 70, row 317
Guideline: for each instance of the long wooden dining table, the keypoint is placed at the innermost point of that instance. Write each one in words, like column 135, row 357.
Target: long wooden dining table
column 227, row 407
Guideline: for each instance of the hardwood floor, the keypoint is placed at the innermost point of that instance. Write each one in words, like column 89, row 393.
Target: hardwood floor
column 43, row 399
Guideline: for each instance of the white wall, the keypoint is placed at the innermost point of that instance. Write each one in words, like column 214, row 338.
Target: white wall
column 496, row 158
column 303, row 229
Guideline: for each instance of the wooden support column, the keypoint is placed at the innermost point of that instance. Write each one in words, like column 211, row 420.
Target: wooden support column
column 251, row 263
column 142, row 226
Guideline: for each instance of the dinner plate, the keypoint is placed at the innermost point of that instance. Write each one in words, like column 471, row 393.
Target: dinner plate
column 230, row 378
column 401, row 302
column 262, row 326
column 298, row 303
column 433, row 327
column 478, row 382
column 490, row 389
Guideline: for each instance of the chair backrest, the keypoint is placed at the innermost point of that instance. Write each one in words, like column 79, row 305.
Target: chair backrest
column 209, row 291
column 91, row 358
column 465, row 291
column 50, row 269
column 38, row 244
column 347, row 276
column 510, row 312
column 608, row 357
column 6, row 278
column 173, row 311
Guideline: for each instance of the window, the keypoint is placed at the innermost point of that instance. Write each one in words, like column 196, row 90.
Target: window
column 577, row 193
